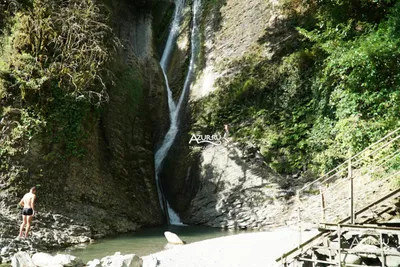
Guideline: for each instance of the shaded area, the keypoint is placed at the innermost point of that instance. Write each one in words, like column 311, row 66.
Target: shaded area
column 94, row 161
column 237, row 191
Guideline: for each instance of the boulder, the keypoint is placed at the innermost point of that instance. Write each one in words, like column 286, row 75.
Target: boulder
column 370, row 240
column 68, row 260
column 118, row 260
column 45, row 260
column 370, row 251
column 150, row 261
column 392, row 260
column 5, row 260
column 4, row 250
column 349, row 259
column 22, row 259
column 173, row 238
column 94, row 263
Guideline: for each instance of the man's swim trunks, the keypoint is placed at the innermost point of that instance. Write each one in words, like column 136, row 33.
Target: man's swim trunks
column 27, row 212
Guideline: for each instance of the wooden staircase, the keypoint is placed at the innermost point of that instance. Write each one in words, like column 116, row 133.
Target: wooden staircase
column 329, row 230
column 363, row 190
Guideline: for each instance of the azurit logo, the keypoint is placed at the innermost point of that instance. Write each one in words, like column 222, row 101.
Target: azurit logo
column 211, row 139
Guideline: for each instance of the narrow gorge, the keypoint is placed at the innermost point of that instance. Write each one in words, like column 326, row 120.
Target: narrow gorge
column 100, row 100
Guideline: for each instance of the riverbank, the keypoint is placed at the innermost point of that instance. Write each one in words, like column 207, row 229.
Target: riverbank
column 250, row 249
column 143, row 242
column 247, row 249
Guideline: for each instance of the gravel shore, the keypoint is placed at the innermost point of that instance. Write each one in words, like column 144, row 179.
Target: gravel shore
column 244, row 250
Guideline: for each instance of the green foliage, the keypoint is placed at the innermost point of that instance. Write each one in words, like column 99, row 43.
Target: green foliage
column 334, row 93
column 65, row 117
column 56, row 63
column 68, row 41
column 8, row 8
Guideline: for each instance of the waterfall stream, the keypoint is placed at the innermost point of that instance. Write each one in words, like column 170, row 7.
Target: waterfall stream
column 174, row 109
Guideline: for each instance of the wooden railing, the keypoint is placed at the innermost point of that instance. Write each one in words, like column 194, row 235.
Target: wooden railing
column 360, row 180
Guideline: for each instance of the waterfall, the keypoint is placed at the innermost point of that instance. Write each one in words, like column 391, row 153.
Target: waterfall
column 174, row 109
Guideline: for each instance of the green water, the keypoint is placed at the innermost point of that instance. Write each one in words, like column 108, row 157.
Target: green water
column 144, row 242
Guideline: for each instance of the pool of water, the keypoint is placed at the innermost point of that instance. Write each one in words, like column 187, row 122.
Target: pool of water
column 144, row 242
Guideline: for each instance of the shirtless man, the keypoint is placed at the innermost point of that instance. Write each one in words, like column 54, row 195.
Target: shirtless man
column 28, row 201
column 226, row 134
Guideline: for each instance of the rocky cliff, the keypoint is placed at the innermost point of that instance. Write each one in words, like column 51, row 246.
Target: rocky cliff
column 224, row 186
column 109, row 185
column 237, row 191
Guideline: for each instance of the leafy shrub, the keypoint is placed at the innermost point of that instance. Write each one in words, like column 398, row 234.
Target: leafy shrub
column 56, row 63
column 334, row 93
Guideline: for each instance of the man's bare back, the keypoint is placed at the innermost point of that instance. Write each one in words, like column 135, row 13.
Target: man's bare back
column 28, row 200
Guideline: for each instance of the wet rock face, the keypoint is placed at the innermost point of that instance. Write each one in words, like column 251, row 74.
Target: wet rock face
column 179, row 175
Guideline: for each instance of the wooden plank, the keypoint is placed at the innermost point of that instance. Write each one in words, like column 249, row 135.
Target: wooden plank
column 351, row 192
column 354, row 251
column 339, row 233
column 332, row 263
column 302, row 247
column 376, row 228
column 386, row 197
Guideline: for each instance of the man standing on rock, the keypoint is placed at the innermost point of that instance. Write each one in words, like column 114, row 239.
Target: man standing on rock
column 226, row 134
column 28, row 201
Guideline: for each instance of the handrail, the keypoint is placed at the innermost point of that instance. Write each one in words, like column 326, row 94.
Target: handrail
column 360, row 211
column 388, row 158
column 351, row 158
column 332, row 206
column 290, row 255
column 375, row 159
column 378, row 149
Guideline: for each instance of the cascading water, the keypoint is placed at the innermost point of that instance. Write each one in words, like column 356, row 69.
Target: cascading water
column 174, row 109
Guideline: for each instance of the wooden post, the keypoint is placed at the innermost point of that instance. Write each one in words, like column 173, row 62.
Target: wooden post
column 299, row 217
column 382, row 252
column 340, row 246
column 283, row 261
column 322, row 204
column 350, row 176
column 314, row 258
